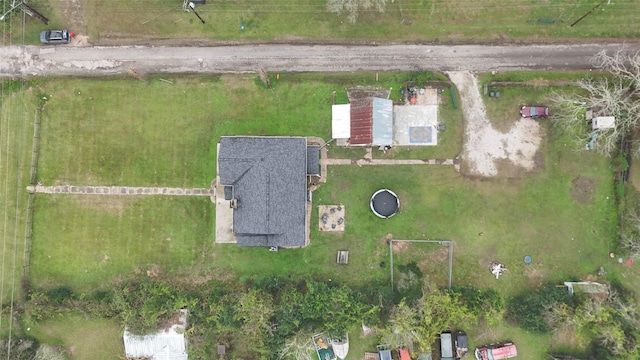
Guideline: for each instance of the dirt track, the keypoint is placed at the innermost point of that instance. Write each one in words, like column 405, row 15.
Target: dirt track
column 83, row 60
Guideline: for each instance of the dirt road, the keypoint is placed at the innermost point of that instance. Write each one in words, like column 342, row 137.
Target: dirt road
column 87, row 60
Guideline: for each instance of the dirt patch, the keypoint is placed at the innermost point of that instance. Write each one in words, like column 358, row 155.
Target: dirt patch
column 583, row 190
column 331, row 218
column 534, row 275
column 401, row 246
column 154, row 271
column 73, row 15
column 439, row 257
column 484, row 146
column 398, row 246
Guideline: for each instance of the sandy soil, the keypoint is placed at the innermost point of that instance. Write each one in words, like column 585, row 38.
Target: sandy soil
column 483, row 144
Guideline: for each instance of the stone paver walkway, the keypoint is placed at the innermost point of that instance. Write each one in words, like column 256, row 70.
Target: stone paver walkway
column 118, row 190
column 389, row 162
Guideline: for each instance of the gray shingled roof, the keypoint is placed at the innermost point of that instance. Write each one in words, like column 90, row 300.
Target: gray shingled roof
column 313, row 160
column 268, row 175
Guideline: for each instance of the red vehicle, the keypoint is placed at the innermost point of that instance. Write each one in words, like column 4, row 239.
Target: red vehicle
column 497, row 351
column 535, row 111
column 403, row 354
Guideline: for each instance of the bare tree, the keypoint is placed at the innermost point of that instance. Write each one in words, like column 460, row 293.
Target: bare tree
column 614, row 94
column 298, row 347
column 630, row 237
column 7, row 7
column 353, row 7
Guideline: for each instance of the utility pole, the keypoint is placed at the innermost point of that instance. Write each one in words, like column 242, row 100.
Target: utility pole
column 193, row 8
column 588, row 13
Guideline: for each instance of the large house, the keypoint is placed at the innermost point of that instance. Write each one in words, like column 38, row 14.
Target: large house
column 265, row 182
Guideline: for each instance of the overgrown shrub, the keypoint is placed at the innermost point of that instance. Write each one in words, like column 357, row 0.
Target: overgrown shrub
column 486, row 304
column 529, row 309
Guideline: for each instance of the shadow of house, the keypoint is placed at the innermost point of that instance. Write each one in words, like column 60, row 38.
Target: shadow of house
column 265, row 179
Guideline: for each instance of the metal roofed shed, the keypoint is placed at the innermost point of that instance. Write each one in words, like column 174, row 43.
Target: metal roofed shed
column 361, row 122
column 268, row 178
column 167, row 344
column 382, row 122
column 384, row 203
column 603, row 122
column 341, row 121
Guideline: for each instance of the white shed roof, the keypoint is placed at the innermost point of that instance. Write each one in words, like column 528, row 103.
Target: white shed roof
column 341, row 121
column 603, row 122
column 167, row 344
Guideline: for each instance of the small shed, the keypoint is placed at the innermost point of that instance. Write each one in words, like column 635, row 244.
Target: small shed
column 167, row 344
column 341, row 121
column 603, row 122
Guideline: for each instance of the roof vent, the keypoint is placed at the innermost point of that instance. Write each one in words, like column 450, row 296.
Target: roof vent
column 233, row 203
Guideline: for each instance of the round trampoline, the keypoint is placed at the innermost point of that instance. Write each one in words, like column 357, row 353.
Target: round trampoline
column 385, row 203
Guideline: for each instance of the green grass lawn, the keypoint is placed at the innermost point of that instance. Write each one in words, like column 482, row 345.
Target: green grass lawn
column 115, row 21
column 98, row 339
column 88, row 241
column 17, row 113
column 169, row 131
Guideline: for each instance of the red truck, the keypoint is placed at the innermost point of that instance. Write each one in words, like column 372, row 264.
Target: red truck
column 497, row 351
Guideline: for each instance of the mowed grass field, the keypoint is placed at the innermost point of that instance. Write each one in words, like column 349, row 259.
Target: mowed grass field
column 119, row 21
column 134, row 133
column 129, row 132
column 17, row 114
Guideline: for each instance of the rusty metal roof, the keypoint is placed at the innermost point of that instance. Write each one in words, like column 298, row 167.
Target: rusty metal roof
column 361, row 121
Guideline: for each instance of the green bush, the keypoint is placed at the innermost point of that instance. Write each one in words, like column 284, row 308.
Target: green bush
column 486, row 304
column 528, row 310
column 59, row 294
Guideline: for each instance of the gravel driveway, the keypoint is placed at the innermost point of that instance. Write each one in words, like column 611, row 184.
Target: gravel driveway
column 483, row 145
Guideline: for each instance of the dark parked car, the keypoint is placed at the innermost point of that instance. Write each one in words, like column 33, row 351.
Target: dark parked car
column 55, row 37
column 535, row 111
column 462, row 344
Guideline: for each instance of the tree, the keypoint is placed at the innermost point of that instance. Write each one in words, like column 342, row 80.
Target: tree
column 417, row 326
column 254, row 310
column 529, row 310
column 615, row 94
column 298, row 347
column 609, row 324
column 353, row 7
column 486, row 304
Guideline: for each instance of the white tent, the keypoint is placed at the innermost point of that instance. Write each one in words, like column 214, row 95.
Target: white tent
column 341, row 121
column 167, row 344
